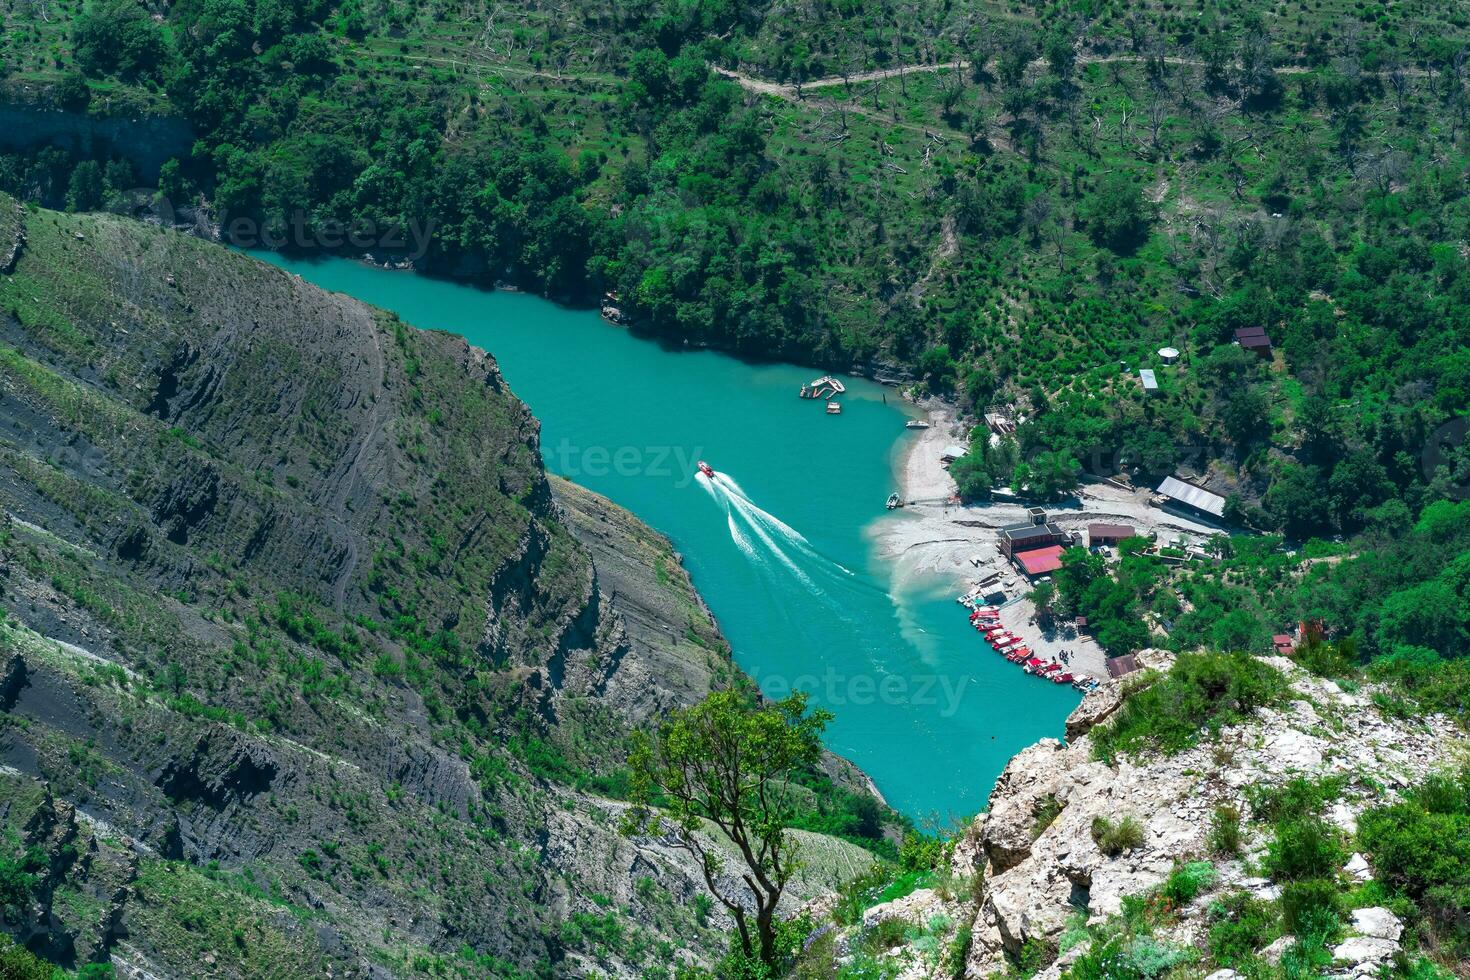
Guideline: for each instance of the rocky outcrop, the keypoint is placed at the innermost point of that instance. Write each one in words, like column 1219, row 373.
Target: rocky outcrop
column 1031, row 888
column 1040, row 865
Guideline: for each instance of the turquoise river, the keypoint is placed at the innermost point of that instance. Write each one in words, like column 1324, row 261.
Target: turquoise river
column 779, row 544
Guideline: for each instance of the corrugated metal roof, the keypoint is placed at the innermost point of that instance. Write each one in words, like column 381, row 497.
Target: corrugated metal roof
column 1150, row 383
column 1025, row 532
column 1197, row 497
column 953, row 452
column 1118, row 666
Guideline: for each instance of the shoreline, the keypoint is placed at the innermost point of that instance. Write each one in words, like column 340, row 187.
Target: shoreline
column 937, row 543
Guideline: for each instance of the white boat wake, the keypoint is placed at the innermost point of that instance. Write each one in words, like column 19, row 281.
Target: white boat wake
column 756, row 514
column 761, row 535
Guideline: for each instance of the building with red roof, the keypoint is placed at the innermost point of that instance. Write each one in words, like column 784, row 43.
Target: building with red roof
column 1040, row 561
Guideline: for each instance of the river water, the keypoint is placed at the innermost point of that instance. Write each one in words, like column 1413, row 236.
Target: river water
column 779, row 543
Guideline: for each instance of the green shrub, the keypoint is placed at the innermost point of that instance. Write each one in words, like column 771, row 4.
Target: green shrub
column 1147, row 957
column 1306, row 904
column 1224, row 838
column 1035, row 956
column 1421, row 851
column 1203, row 691
column 884, row 935
column 1047, row 812
column 1121, row 958
column 1186, row 881
column 1304, row 848
column 1296, row 798
column 919, row 852
column 1115, row 838
column 1307, row 958
column 19, row 963
column 1240, row 925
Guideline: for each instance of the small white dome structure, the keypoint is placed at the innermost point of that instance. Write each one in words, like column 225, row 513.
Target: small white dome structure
column 1169, row 354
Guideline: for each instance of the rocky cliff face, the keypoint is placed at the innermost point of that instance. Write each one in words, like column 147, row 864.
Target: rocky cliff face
column 307, row 670
column 1034, row 873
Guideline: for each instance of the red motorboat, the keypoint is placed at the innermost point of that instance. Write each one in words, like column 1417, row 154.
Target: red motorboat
column 705, row 469
column 1062, row 678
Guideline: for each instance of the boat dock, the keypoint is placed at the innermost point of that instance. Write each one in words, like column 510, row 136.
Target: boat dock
column 824, row 387
column 986, row 620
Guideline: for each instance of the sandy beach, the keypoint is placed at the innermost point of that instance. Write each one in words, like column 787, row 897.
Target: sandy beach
column 933, row 540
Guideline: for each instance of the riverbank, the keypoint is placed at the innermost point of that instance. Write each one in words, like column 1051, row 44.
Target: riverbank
column 936, row 542
column 776, row 545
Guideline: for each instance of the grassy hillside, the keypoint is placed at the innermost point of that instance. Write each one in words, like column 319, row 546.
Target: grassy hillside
column 302, row 667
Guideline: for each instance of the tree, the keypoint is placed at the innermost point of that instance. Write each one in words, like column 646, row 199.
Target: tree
column 72, row 91
column 1115, row 215
column 84, row 190
column 1296, row 501
column 1246, row 415
column 729, row 761
column 1042, row 598
column 118, row 37
column 1053, row 473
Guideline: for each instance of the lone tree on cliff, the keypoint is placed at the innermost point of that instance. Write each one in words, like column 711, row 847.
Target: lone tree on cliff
column 728, row 761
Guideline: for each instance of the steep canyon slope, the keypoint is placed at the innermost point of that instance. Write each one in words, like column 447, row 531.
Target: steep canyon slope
column 305, row 668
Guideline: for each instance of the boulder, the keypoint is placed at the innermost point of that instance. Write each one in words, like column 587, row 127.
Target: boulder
column 1030, row 776
column 1378, row 923
column 1097, row 706
column 1357, row 868
column 1272, row 953
column 1364, row 951
column 916, row 907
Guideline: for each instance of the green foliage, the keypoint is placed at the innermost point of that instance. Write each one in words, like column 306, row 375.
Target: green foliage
column 1111, row 600
column 1047, row 811
column 1202, row 692
column 1116, row 837
column 118, row 37
column 19, row 963
column 1187, row 881
column 731, row 761
column 1114, row 213
column 920, row 852
column 1307, row 903
column 880, row 883
column 1240, row 925
column 1304, row 848
column 1120, row 957
column 1420, row 849
column 1225, row 837
column 1294, row 799
column 18, row 878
